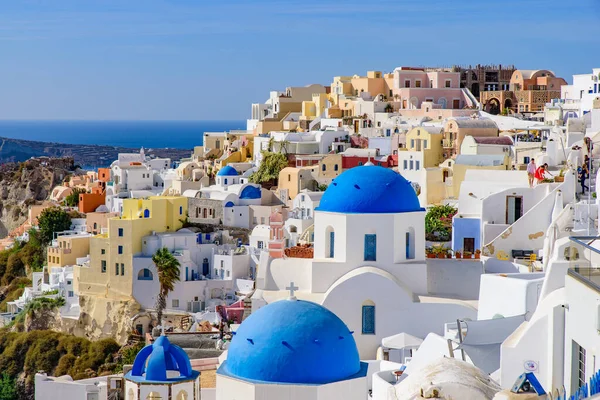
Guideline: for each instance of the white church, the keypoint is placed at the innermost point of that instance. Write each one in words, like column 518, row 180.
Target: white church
column 369, row 262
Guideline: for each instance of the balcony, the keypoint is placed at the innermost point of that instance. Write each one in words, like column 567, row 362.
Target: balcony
column 583, row 262
column 448, row 143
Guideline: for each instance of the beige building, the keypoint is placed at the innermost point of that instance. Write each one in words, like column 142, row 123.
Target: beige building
column 454, row 170
column 97, row 222
column 66, row 249
column 455, row 131
column 296, row 179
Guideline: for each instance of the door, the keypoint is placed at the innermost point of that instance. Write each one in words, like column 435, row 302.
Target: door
column 456, row 104
column 469, row 245
column 514, row 208
column 371, row 247
column 445, row 174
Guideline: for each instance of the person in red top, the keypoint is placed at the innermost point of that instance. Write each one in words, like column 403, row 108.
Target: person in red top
column 540, row 173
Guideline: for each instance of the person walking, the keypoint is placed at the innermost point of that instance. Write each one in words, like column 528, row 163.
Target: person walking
column 531, row 168
column 583, row 174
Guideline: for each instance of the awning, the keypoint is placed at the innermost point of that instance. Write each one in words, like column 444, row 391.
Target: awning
column 401, row 341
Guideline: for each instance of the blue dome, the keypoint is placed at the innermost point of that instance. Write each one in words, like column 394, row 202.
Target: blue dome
column 161, row 357
column 369, row 190
column 292, row 341
column 227, row 171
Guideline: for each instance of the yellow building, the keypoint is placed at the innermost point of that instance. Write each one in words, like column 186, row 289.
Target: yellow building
column 109, row 272
column 295, row 180
column 428, row 140
column 66, row 249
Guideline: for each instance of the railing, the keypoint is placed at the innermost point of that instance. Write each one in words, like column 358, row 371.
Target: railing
column 447, row 143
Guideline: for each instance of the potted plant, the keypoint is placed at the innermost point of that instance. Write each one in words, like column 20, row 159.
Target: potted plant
column 477, row 254
column 429, row 252
column 458, row 254
column 560, row 177
column 467, row 254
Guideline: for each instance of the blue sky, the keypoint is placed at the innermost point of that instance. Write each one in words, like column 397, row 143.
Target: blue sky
column 199, row 59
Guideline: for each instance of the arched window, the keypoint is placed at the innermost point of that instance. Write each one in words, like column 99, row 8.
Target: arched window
column 182, row 395
column 130, row 395
column 293, row 229
column 324, row 167
column 154, row 396
column 410, row 244
column 370, row 247
column 368, row 318
column 330, row 240
column 146, row 213
column 335, row 167
column 145, row 275
column 95, row 225
column 225, row 181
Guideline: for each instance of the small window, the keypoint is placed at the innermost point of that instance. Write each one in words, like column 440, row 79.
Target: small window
column 448, row 83
column 103, row 251
column 262, row 220
column 228, row 273
column 260, row 244
column 368, row 320
column 225, row 181
column 289, row 177
column 69, row 282
column 122, row 269
column 70, row 293
column 175, row 303
column 370, row 247
column 335, row 167
column 424, row 144
column 324, row 167
column 411, row 164
column 418, row 83
column 180, row 210
column 120, row 232
column 116, row 268
column 103, row 266
column 407, row 83
column 405, row 164
column 417, row 165
column 120, row 250
column 412, row 143
column 360, row 163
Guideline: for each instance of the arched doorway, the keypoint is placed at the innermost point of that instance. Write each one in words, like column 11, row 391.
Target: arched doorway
column 508, row 106
column 493, row 106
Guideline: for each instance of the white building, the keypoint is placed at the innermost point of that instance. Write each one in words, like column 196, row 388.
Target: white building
column 585, row 89
column 210, row 274
column 478, row 145
column 369, row 262
column 162, row 371
column 292, row 349
column 302, row 215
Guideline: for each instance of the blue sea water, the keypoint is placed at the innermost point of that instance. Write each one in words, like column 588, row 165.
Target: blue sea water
column 134, row 134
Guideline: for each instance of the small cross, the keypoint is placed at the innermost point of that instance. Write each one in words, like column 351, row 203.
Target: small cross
column 292, row 288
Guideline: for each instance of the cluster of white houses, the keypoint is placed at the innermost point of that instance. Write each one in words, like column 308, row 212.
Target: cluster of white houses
column 345, row 301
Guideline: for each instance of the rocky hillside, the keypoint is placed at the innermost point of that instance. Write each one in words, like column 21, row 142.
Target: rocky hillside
column 26, row 183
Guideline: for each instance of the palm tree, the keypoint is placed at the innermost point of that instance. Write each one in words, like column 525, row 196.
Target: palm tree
column 168, row 273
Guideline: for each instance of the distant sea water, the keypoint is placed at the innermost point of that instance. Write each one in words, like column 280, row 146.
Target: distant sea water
column 134, row 134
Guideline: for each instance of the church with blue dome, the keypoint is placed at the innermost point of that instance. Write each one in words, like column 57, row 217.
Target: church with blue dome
column 369, row 266
column 162, row 370
column 292, row 349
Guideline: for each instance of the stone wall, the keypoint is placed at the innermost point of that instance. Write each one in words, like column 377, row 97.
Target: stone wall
column 197, row 208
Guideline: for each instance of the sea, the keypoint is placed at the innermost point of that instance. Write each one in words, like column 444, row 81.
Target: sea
column 133, row 134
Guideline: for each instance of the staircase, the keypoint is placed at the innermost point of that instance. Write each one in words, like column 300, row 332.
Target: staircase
column 472, row 98
column 315, row 124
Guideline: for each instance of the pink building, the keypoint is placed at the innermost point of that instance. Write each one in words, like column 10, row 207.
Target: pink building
column 413, row 87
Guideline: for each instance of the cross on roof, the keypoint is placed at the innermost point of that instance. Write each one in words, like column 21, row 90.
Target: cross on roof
column 292, row 289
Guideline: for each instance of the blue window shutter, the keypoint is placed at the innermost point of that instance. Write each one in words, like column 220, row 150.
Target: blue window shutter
column 331, row 244
column 368, row 320
column 370, row 247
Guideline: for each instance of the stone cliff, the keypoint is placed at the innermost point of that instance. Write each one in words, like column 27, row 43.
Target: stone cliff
column 27, row 183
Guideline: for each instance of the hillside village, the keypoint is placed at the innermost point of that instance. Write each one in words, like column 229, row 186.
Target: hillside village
column 354, row 239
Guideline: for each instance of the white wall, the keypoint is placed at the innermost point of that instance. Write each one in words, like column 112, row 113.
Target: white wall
column 524, row 292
